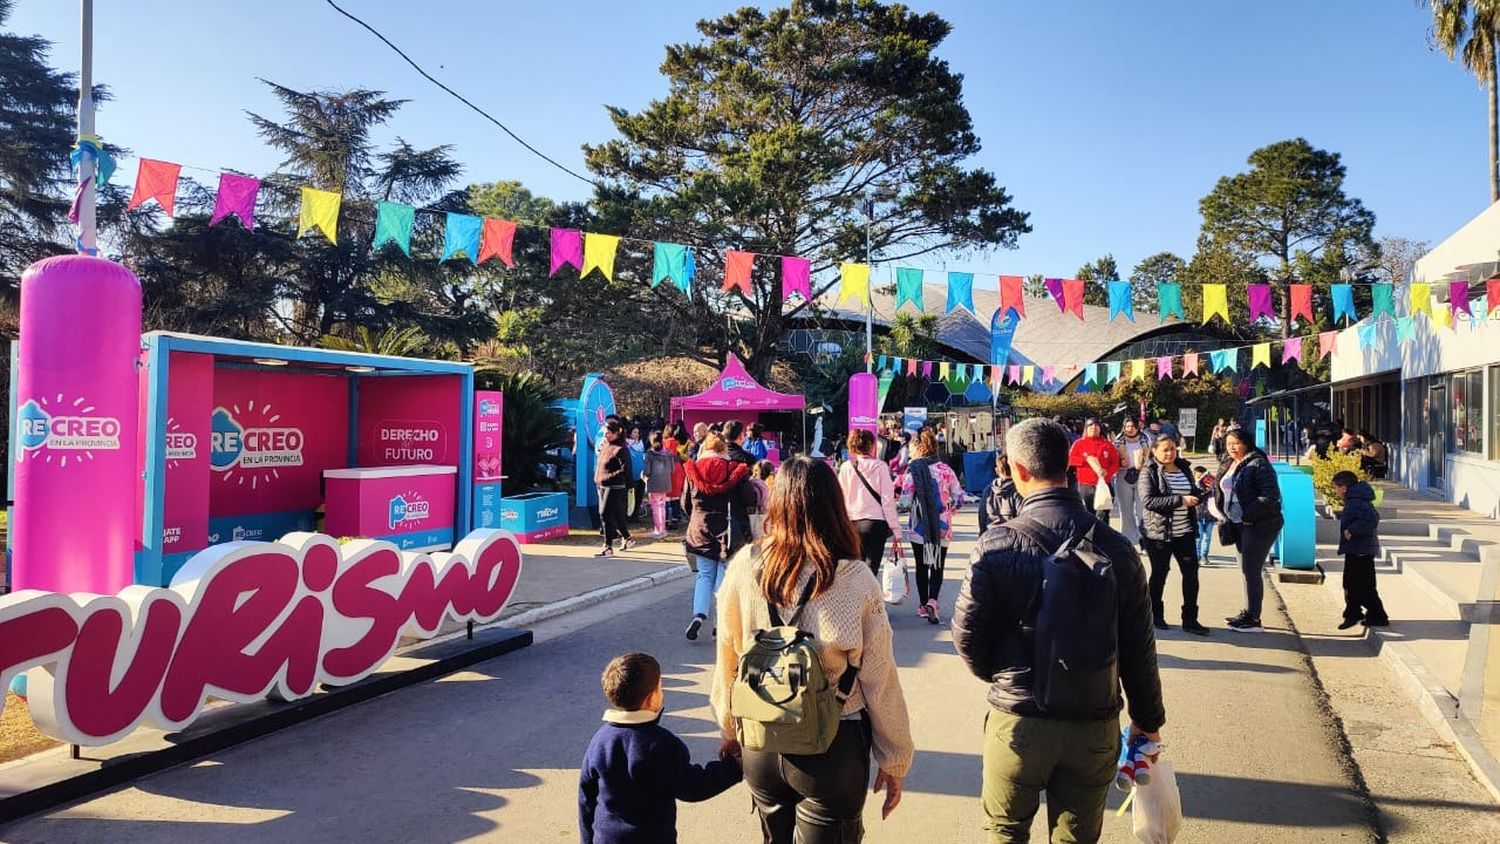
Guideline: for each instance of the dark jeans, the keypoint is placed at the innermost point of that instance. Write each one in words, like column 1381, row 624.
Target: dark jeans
column 1086, row 492
column 1255, row 545
column 929, row 571
column 813, row 799
column 872, row 536
column 1160, row 553
column 613, row 513
column 1360, row 598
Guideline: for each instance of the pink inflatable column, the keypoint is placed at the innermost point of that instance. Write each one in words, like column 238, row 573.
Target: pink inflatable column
column 74, row 527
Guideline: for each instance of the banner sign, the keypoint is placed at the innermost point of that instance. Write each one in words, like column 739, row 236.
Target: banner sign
column 914, row 419
column 1002, row 332
column 864, row 406
column 489, row 421
column 190, row 390
column 1187, row 421
column 409, row 420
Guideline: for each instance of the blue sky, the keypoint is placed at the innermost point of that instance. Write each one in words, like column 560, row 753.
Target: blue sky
column 1106, row 120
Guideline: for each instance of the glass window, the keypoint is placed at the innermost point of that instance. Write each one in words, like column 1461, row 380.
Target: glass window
column 1467, row 398
column 1414, row 427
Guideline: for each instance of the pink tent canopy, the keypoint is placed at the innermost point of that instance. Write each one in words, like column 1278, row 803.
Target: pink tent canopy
column 735, row 392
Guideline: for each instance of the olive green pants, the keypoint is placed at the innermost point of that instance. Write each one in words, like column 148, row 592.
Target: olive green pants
column 1073, row 761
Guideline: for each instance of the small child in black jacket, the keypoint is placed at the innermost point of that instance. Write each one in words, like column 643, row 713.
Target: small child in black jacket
column 1359, row 543
column 636, row 770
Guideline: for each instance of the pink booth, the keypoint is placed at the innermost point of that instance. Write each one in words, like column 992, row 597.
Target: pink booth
column 735, row 395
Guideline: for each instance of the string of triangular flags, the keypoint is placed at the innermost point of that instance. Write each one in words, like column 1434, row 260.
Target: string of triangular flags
column 480, row 239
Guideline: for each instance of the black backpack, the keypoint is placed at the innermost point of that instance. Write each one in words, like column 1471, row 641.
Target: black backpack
column 1072, row 622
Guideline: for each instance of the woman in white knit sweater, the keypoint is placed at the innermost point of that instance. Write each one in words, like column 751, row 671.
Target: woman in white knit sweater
column 809, row 535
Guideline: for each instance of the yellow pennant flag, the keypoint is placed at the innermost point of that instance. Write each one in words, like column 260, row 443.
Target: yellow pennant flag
column 1260, row 355
column 854, row 281
column 1028, row 374
column 1442, row 317
column 599, row 253
column 1421, row 299
column 942, row 369
column 1138, row 368
column 320, row 210
column 1215, row 301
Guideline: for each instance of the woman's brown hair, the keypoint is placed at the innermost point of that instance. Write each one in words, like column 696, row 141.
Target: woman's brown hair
column 806, row 523
column 924, row 444
column 860, row 441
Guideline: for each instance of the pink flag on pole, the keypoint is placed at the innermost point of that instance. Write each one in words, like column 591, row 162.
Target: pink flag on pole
column 796, row 277
column 1260, row 302
column 1291, row 350
column 1013, row 374
column 1326, row 340
column 567, row 248
column 236, row 196
column 1163, row 367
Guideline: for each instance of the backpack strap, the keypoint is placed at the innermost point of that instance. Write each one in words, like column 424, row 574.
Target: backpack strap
column 1030, row 528
column 796, row 611
column 861, row 475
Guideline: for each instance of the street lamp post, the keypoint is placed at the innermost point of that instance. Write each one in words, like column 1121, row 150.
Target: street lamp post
column 88, row 238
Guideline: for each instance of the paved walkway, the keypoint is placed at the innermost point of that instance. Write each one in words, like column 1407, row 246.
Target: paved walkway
column 491, row 754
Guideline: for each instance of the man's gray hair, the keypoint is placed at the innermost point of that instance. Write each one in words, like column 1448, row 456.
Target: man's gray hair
column 1040, row 445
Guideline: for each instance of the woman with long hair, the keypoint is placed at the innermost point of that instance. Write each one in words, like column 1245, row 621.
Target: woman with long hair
column 935, row 495
column 1249, row 496
column 612, row 474
column 1170, row 505
column 718, row 499
column 870, row 497
column 811, row 542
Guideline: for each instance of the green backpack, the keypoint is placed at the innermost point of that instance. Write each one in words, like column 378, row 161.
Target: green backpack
column 782, row 701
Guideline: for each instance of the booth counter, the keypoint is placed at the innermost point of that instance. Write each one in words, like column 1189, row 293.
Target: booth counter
column 409, row 506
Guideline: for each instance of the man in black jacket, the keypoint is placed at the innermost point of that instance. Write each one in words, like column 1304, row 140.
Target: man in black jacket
column 734, row 434
column 1027, row 748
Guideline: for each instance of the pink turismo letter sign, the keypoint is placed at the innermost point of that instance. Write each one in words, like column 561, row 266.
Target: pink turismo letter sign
column 76, row 474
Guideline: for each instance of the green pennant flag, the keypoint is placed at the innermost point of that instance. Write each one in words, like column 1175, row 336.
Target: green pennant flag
column 393, row 224
column 1383, row 296
column 886, row 378
column 909, row 287
column 1169, row 301
column 1406, row 330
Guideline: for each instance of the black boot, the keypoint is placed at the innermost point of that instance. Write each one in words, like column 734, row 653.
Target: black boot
column 1190, row 622
column 1159, row 614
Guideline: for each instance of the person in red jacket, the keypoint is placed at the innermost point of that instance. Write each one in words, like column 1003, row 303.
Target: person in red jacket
column 1096, row 461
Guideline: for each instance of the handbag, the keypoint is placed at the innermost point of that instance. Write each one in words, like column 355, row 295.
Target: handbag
column 1229, row 533
column 895, row 579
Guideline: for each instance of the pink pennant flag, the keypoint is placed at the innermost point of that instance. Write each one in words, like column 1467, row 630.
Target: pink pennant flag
column 567, row 248
column 1260, row 302
column 927, row 369
column 236, row 196
column 737, row 266
column 1163, row 367
column 1291, row 350
column 1013, row 374
column 1055, row 287
column 1049, row 374
column 155, row 180
column 495, row 241
column 1458, row 297
column 1326, row 341
column 796, row 277
column 1073, row 297
column 1011, row 295
column 995, row 378
column 911, row 367
column 1189, row 364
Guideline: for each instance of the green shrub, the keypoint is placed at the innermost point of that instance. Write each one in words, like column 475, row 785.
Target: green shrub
column 1323, row 470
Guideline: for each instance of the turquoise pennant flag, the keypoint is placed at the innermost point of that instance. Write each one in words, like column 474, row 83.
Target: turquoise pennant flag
column 1091, row 375
column 393, row 224
column 1225, row 359
column 1120, row 300
column 1169, row 301
column 909, row 287
column 881, row 361
column 1343, row 302
column 669, row 261
column 1383, row 296
column 960, row 291
column 1111, row 371
column 1406, row 330
column 1367, row 334
column 462, row 235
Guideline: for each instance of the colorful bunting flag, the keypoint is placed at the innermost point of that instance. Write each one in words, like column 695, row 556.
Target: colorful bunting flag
column 1189, row 364
column 911, row 367
column 496, row 239
column 1111, row 371
column 1343, row 302
column 669, row 261
column 1406, row 329
column 960, row 291
column 1215, row 301
column 1169, row 301
column 1421, row 299
column 796, row 277
column 1260, row 355
column 567, row 249
column 1326, row 341
column 155, row 180
column 1049, row 374
column 882, row 362
column 1222, row 360
column 927, row 369
column 909, row 287
column 1261, row 303
column 393, row 224
column 737, row 268
column 1442, row 315
column 1028, row 374
column 1382, row 297
column 1458, row 297
column 1492, row 296
column 1291, row 350
column 1163, row 367
column 1120, row 300
column 855, row 283
column 1073, row 297
column 236, row 196
column 1055, row 287
column 1011, row 294
column 1302, row 305
column 1013, row 373
column 599, row 252
column 462, row 235
column 1138, row 369
column 1366, row 333
column 943, row 371
column 320, row 210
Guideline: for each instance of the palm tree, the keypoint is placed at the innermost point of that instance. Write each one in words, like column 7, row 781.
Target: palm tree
column 1468, row 30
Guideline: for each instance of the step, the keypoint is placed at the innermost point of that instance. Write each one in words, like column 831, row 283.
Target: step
column 1328, row 529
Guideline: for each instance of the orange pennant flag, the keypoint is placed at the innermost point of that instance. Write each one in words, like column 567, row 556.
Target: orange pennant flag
column 155, row 180
column 1073, row 297
column 1302, row 302
column 737, row 266
column 495, row 240
column 1010, row 295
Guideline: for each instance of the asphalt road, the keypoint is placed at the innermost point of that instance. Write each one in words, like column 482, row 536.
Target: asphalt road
column 492, row 754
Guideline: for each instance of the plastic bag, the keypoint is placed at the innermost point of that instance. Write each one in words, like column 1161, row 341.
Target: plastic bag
column 1156, row 811
column 895, row 581
column 1104, row 498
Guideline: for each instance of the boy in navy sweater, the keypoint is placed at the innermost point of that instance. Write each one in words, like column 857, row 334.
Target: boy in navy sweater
column 636, row 770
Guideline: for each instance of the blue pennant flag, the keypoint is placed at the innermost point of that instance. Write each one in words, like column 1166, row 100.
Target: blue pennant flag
column 1120, row 300
column 1343, row 302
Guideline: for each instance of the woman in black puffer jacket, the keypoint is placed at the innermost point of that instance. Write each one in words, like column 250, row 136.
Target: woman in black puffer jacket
column 1249, row 496
column 1170, row 502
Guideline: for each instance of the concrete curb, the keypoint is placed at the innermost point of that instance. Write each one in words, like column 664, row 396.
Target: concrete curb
column 547, row 612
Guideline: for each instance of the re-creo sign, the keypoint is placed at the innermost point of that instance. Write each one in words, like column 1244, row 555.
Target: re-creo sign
column 240, row 621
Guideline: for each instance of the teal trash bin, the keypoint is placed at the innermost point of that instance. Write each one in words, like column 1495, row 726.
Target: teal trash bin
column 1296, row 547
